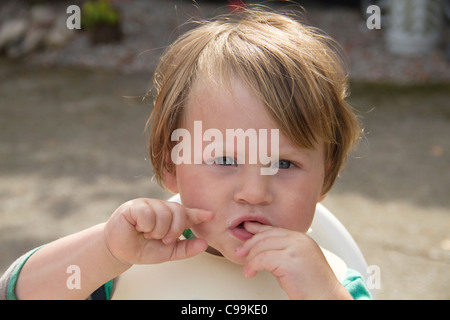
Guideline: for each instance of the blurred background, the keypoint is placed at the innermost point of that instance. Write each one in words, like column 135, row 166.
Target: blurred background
column 73, row 146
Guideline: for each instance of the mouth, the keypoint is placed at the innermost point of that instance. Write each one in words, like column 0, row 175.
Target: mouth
column 239, row 231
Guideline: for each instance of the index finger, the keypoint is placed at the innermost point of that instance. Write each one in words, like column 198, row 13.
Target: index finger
column 196, row 216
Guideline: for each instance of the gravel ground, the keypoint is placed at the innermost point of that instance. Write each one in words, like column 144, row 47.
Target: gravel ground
column 150, row 25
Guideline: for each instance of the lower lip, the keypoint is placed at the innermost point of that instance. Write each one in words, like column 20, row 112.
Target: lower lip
column 241, row 234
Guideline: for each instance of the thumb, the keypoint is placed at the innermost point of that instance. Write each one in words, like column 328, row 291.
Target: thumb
column 188, row 248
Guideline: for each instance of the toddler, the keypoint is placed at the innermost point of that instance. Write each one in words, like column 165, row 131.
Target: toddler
column 270, row 83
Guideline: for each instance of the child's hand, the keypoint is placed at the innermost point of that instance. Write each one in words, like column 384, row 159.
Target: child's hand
column 146, row 231
column 294, row 259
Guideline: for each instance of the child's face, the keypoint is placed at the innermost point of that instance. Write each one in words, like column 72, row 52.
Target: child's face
column 235, row 194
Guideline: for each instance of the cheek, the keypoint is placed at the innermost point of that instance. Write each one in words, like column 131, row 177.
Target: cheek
column 203, row 231
column 187, row 185
column 300, row 208
column 300, row 220
column 196, row 189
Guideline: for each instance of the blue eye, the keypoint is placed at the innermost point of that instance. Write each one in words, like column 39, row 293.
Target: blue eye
column 284, row 164
column 225, row 161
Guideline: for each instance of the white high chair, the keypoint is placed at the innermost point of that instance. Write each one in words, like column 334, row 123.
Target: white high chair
column 330, row 234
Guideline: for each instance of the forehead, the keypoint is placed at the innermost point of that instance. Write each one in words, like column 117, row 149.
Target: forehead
column 227, row 105
column 233, row 106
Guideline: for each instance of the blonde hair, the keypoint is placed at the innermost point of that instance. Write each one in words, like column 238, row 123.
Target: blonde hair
column 296, row 70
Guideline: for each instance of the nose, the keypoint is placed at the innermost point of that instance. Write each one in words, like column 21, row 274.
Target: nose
column 253, row 188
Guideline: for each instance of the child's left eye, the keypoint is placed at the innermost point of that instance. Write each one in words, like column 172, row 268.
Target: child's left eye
column 283, row 164
column 225, row 161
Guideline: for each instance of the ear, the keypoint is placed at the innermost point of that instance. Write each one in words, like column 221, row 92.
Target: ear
column 170, row 180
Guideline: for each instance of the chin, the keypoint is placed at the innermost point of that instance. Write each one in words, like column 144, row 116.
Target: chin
column 237, row 260
column 231, row 256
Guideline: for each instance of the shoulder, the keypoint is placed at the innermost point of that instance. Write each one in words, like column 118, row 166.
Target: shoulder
column 9, row 279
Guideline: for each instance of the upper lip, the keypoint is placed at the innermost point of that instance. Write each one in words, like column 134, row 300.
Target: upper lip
column 236, row 222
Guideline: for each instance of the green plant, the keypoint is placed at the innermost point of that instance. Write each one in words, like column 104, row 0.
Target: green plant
column 98, row 13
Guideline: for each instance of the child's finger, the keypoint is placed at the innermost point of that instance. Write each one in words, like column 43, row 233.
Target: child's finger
column 256, row 227
column 196, row 216
column 188, row 248
column 179, row 217
column 161, row 216
column 267, row 244
column 270, row 255
column 139, row 213
column 262, row 235
column 263, row 261
column 261, row 231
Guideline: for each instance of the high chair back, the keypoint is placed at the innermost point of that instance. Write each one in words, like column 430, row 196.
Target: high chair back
column 331, row 234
